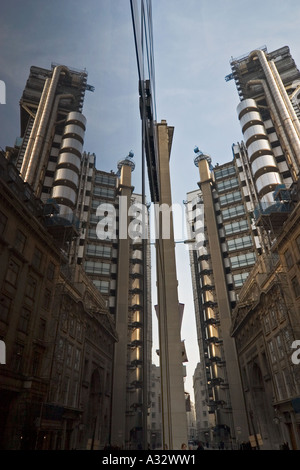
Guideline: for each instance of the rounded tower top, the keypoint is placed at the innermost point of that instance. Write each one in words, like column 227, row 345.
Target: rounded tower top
column 201, row 156
column 127, row 161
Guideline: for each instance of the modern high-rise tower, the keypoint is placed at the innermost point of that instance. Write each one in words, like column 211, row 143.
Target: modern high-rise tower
column 242, row 205
column 93, row 218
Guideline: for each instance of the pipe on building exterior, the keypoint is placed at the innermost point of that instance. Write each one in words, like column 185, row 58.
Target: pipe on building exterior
column 293, row 165
column 42, row 124
column 286, row 98
column 285, row 116
column 50, row 126
column 34, row 129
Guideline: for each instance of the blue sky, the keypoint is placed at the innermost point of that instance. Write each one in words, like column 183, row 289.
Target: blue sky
column 193, row 43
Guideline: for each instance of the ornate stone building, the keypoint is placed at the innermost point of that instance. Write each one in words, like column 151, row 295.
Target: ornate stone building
column 265, row 325
column 55, row 387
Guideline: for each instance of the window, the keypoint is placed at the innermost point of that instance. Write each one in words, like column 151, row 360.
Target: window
column 242, row 260
column 279, row 386
column 281, row 309
column 36, row 363
column 79, row 331
column 94, row 267
column 5, row 304
column 234, row 211
column 69, row 355
column 105, row 179
column 20, row 241
column 60, row 349
column 99, row 250
column 273, row 317
column 24, row 320
column 298, row 242
column 236, row 227
column 228, row 184
column 104, row 192
column 296, row 286
column 221, row 173
column 288, row 381
column 42, row 329
column 12, row 272
column 92, row 233
column 230, row 198
column 272, row 352
column 30, row 289
column 267, row 323
column 239, row 243
column 37, row 258
column 74, row 394
column 288, row 259
column 77, row 359
column 3, row 222
column 65, row 390
column 47, row 299
column 239, row 279
column 51, row 271
column 102, row 286
column 72, row 326
column 279, row 347
column 17, row 358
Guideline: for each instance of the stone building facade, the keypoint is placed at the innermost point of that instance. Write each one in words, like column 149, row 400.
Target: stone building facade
column 55, row 387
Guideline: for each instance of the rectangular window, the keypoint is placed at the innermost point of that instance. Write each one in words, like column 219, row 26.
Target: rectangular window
column 105, row 193
column 65, row 390
column 240, row 261
column 12, row 272
column 60, row 350
column 94, row 267
column 79, row 331
column 288, row 381
column 17, row 358
column 230, row 198
column 272, row 352
column 234, row 211
column 92, row 233
column 3, row 222
column 20, row 241
column 103, row 251
column 279, row 386
column 267, row 323
column 273, row 317
column 239, row 243
column 236, row 227
column 51, row 271
column 36, row 363
column 69, row 355
column 298, row 242
column 279, row 347
column 102, row 286
column 227, row 184
column 77, row 359
column 5, row 304
column 105, row 179
column 42, row 329
column 223, row 172
column 37, row 258
column 30, row 289
column 47, row 299
column 24, row 320
column 296, row 286
column 288, row 259
column 239, row 279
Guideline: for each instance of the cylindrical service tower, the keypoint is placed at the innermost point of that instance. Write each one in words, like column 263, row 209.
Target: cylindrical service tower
column 66, row 179
column 263, row 164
